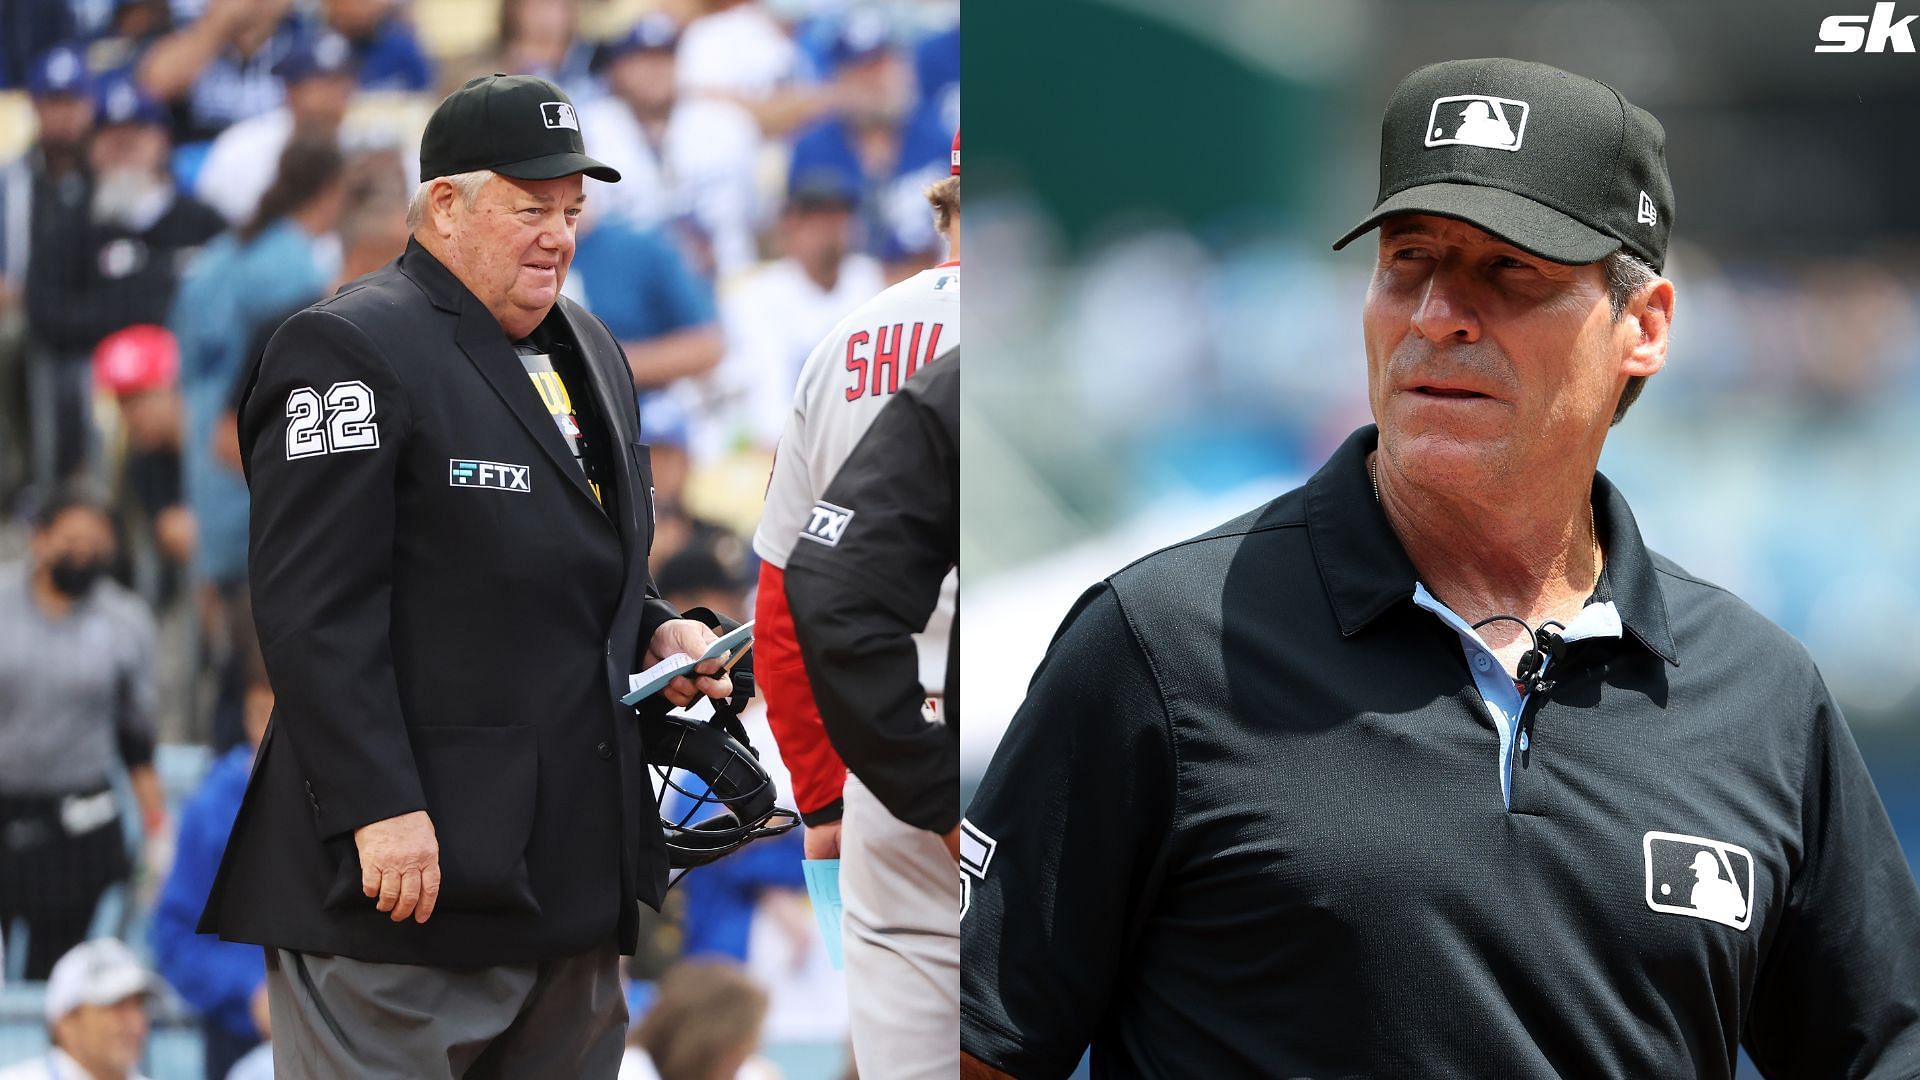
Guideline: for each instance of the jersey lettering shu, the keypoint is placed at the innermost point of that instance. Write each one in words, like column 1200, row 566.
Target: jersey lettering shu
column 1256, row 817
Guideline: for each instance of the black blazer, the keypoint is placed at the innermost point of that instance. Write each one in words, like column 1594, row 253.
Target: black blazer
column 448, row 619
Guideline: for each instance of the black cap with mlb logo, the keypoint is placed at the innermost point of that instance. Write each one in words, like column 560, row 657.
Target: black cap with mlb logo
column 516, row 125
column 1553, row 163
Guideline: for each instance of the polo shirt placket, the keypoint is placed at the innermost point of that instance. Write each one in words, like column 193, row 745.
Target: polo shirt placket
column 1506, row 704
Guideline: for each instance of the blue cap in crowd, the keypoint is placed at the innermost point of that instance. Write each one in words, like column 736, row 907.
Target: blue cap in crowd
column 119, row 101
column 60, row 70
column 655, row 33
column 316, row 55
column 665, row 419
column 865, row 36
column 823, row 185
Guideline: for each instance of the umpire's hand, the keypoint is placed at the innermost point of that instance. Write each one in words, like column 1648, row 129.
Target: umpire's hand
column 690, row 637
column 400, row 864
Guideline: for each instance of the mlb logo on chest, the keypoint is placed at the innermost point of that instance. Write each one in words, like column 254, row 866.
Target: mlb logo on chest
column 558, row 114
column 1477, row 120
column 1699, row 877
column 497, row 475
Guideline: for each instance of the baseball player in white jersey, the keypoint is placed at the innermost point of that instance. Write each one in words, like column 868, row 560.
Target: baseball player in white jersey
column 899, row 884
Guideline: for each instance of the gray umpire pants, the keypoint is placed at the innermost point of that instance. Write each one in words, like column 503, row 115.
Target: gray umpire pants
column 900, row 935
column 335, row 1018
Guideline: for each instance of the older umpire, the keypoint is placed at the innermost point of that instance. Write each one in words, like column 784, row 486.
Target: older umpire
column 450, row 825
column 1430, row 767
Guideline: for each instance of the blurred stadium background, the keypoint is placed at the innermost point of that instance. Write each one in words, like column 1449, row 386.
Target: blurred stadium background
column 775, row 152
column 1162, row 338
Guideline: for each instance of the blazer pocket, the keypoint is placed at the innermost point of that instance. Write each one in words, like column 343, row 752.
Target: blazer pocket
column 480, row 784
column 643, row 487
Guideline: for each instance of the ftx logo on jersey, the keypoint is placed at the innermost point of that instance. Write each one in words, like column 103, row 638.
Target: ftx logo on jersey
column 497, row 475
column 1866, row 33
column 827, row 524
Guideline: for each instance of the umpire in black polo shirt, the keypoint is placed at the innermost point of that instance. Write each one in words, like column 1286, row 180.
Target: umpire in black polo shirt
column 1431, row 768
column 450, row 825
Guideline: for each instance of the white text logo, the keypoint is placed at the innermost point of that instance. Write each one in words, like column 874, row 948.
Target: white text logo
column 1692, row 875
column 1477, row 120
column 1647, row 215
column 1870, row 33
column 976, row 853
column 828, row 524
column 489, row 474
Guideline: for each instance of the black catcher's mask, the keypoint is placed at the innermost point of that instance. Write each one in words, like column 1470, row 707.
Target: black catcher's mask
column 736, row 805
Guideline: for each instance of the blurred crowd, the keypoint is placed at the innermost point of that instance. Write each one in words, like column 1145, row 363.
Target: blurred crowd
column 179, row 176
column 1244, row 367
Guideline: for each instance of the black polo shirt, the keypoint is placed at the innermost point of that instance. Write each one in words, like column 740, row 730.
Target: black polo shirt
column 1248, row 822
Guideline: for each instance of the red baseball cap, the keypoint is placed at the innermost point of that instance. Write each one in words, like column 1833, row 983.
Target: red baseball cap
column 140, row 357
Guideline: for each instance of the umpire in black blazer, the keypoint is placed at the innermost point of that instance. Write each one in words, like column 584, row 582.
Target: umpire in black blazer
column 450, row 826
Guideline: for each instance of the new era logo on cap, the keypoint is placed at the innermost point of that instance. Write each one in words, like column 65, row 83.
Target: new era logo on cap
column 559, row 114
column 1647, row 215
column 1477, row 120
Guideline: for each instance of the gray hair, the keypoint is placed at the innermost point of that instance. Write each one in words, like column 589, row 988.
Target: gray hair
column 468, row 184
column 1626, row 275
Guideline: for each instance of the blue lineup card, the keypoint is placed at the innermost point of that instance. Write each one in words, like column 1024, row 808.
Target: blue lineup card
column 655, row 679
column 823, row 888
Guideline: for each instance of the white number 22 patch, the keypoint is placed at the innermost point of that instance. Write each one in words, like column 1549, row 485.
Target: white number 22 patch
column 339, row 422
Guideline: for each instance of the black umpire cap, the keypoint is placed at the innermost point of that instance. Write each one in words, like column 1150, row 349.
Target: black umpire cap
column 1555, row 164
column 516, row 125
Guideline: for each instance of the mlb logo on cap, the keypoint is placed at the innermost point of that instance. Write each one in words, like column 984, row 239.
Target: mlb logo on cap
column 1477, row 120
column 559, row 114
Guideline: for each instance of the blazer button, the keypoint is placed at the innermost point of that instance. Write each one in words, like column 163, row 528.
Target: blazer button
column 604, row 750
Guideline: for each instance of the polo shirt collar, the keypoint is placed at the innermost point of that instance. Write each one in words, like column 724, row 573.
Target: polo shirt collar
column 1365, row 571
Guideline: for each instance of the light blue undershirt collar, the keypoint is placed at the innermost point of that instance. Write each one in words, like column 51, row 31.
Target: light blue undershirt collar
column 1502, row 699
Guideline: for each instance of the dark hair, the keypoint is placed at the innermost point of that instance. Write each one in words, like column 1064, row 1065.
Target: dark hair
column 77, row 497
column 694, row 569
column 1626, row 275
column 308, row 167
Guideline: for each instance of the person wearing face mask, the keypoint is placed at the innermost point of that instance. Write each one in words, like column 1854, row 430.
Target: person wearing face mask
column 77, row 698
column 117, row 262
